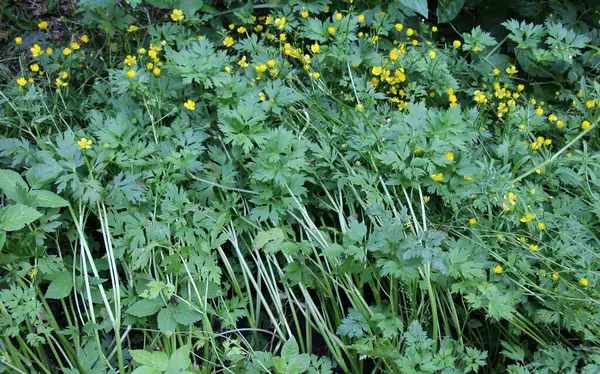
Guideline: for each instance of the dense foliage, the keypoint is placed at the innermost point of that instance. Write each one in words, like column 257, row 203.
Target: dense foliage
column 290, row 187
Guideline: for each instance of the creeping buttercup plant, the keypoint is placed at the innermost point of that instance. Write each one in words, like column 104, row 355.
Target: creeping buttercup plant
column 300, row 187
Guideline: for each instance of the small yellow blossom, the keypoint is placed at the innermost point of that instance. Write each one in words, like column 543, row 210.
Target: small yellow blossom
column 338, row 16
column 361, row 18
column 496, row 71
column 555, row 276
column 75, row 46
column 376, row 70
column 473, row 221
column 190, row 105
column 130, row 60
column 18, row 40
column 177, row 15
column 43, row 25
column 34, row 67
column 315, row 48
column 468, row 178
column 583, row 282
column 280, row 22
column 359, row 107
column 560, row 124
column 156, row 71
column 200, row 37
column 426, row 198
column 449, row 156
column 241, row 30
column 541, row 226
column 132, row 28
column 304, row 14
column 64, row 75
column 85, row 143
column 539, row 111
column 228, row 41
column 36, row 50
column 498, row 269
column 410, row 32
column 432, row 54
column 399, row 27
column 456, row 44
column 590, row 104
column 434, row 29
column 131, row 73
column 331, row 29
column 21, row 81
column 585, row 125
column 552, row 117
column 66, row 51
column 437, row 177
column 512, row 70
column 533, row 247
column 528, row 217
column 315, row 75
column 84, row 38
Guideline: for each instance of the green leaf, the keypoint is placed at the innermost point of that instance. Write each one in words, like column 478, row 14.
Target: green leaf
column 185, row 315
column 15, row 217
column 61, row 286
column 158, row 360
column 417, row 6
column 2, row 238
column 290, row 349
column 9, row 180
column 47, row 199
column 166, row 322
column 143, row 308
column 356, row 231
column 447, row 10
column 146, row 370
column 179, row 361
column 265, row 237
column 189, row 7
column 298, row 364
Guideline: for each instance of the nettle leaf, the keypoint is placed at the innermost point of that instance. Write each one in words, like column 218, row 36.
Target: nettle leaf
column 143, row 308
column 166, row 322
column 184, row 314
column 61, row 285
column 447, row 10
column 15, row 217
column 9, row 180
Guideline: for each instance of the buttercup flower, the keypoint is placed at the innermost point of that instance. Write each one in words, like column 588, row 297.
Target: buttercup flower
column 585, row 125
column 456, row 44
column 177, row 15
column 131, row 73
column 498, row 269
column 449, row 156
column 190, row 105
column 228, row 41
column 43, row 25
column 85, row 143
column 473, row 221
column 583, row 282
column 437, row 177
column 376, row 70
column 36, row 50
column 18, row 40
column 130, row 60
column 132, row 28
column 66, row 51
column 21, row 81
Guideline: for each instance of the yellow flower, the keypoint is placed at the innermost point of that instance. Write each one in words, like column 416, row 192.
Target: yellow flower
column 414, row 42
column 590, row 104
column 190, row 105
column 541, row 226
column 64, row 75
column 472, row 221
column 520, row 87
column 539, row 111
column 552, row 117
column 132, row 28
column 376, row 70
column 156, row 71
column 583, row 282
column 394, row 54
column 231, row 26
column 21, row 81
column 282, row 37
column 528, row 217
column 331, row 29
column 361, row 18
column 60, row 83
column 359, row 107
column 261, row 68
column 512, row 70
column 585, row 125
column 36, row 50
column 434, row 29
column 241, row 30
column 200, row 37
column 338, row 16
column 456, row 44
column 142, row 51
column 498, row 269
column 85, row 143
column 432, row 54
column 30, row 80
column 315, row 48
column 131, row 73
column 18, row 40
column 468, row 178
column 304, row 14
column 399, row 26
column 228, row 41
column 271, row 63
column 410, row 32
column 555, row 276
column 426, row 198
column 450, row 156
column 560, row 124
column 149, row 65
column 34, row 67
column 437, row 177
column 533, row 247
column 66, row 51
column 315, row 75
column 130, row 60
column 84, row 38
column 43, row 25
column 496, row 71
column 75, row 46
column 177, row 15
column 280, row 22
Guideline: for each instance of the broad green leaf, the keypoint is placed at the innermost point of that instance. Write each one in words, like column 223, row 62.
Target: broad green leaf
column 143, row 308
column 298, row 363
column 146, row 370
column 264, row 237
column 158, row 360
column 179, row 361
column 47, row 199
column 166, row 322
column 185, row 315
column 447, row 10
column 15, row 217
column 417, row 6
column 356, row 231
column 2, row 238
column 61, row 286
column 9, row 180
column 290, row 349
column 189, row 7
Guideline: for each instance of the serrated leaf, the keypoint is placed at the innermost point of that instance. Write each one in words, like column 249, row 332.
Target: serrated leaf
column 179, row 361
column 417, row 6
column 143, row 308
column 61, row 286
column 356, row 231
column 9, row 180
column 166, row 322
column 185, row 315
column 158, row 360
column 290, row 349
column 15, row 217
column 447, row 10
column 47, row 199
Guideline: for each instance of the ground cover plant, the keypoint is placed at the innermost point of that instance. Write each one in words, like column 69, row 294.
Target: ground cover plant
column 299, row 187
